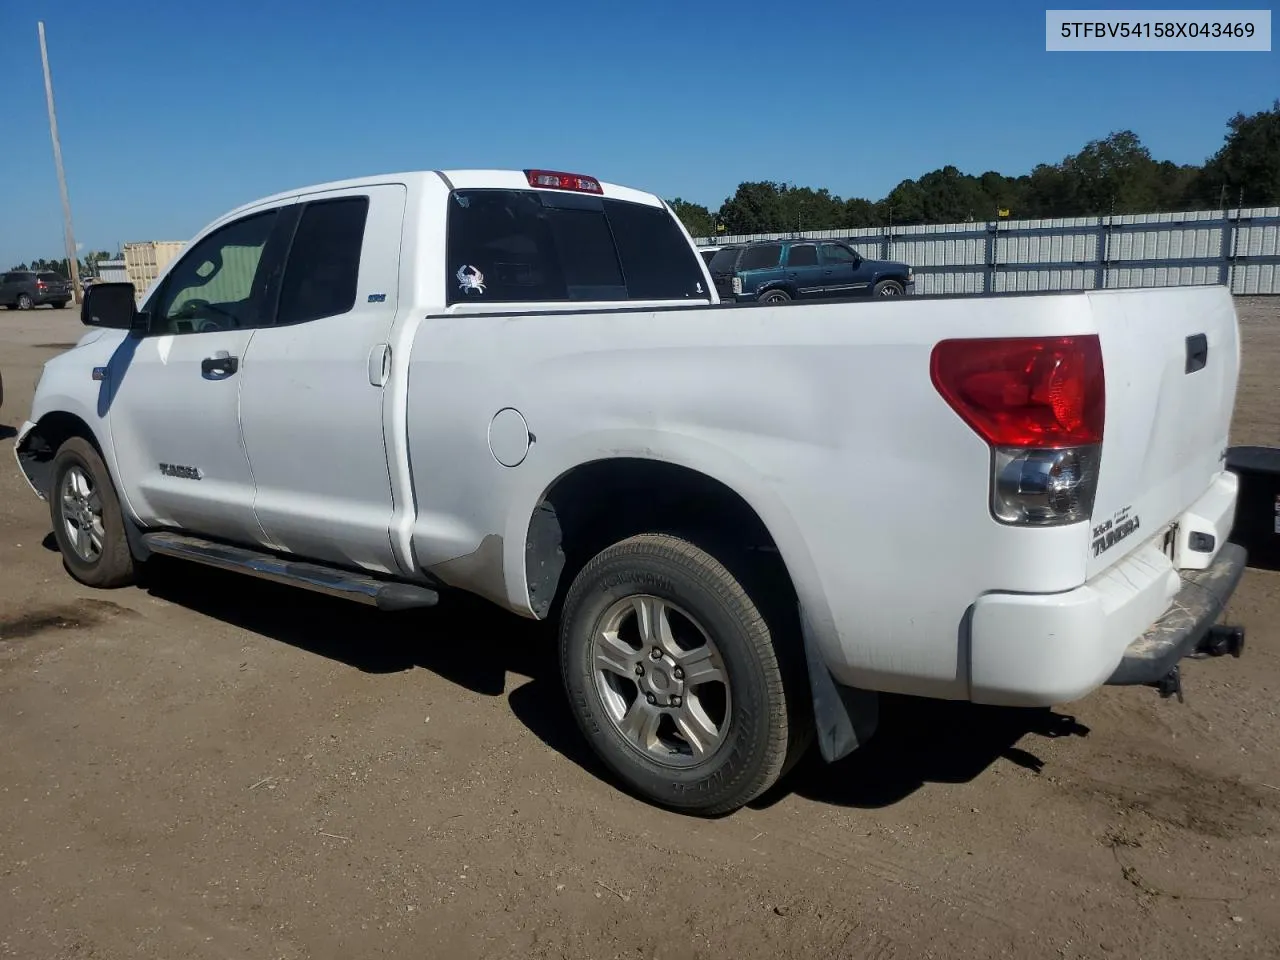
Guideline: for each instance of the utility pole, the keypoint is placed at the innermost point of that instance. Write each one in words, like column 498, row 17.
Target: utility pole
column 73, row 266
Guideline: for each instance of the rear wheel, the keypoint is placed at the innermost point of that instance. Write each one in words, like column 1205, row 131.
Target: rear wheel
column 775, row 296
column 888, row 288
column 25, row 302
column 87, row 522
column 62, row 304
column 672, row 674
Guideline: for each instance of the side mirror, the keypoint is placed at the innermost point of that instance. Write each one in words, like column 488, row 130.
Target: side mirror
column 110, row 305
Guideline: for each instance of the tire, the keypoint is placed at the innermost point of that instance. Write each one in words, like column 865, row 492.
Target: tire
column 888, row 288
column 739, row 712
column 775, row 296
column 11, row 306
column 25, row 302
column 62, row 304
column 82, row 496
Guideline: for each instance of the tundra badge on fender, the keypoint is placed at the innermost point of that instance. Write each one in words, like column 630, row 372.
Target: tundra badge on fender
column 178, row 470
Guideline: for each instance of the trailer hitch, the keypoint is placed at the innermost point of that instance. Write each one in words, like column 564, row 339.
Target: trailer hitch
column 1170, row 685
column 1220, row 641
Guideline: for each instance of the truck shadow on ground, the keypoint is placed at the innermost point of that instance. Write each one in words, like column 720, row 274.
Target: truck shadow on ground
column 475, row 645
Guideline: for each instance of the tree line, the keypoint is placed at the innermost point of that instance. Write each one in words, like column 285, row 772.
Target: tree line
column 88, row 266
column 1114, row 175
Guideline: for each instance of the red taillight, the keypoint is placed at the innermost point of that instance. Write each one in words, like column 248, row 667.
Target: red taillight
column 1046, row 393
column 554, row 180
column 40, row 284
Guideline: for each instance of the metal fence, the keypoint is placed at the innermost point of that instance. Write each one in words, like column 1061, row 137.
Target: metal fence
column 1238, row 248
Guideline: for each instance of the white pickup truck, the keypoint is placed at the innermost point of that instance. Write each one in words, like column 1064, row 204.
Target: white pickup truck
column 747, row 520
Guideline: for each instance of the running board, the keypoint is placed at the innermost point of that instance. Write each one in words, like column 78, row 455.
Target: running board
column 333, row 581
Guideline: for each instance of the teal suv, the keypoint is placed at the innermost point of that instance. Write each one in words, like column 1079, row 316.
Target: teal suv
column 774, row 271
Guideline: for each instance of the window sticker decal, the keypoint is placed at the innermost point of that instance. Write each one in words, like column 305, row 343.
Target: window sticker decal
column 470, row 278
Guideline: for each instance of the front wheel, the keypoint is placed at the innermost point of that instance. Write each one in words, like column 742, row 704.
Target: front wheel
column 775, row 296
column 888, row 288
column 87, row 522
column 673, row 677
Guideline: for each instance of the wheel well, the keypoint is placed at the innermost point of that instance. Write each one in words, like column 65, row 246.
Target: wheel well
column 41, row 444
column 781, row 285
column 599, row 503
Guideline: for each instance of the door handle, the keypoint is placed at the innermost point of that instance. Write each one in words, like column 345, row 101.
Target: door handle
column 220, row 366
column 1197, row 352
column 379, row 365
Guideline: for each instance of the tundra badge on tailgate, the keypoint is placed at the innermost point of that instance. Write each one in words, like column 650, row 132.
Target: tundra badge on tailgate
column 1107, row 534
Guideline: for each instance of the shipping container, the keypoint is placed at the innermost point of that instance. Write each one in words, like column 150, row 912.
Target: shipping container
column 112, row 271
column 144, row 261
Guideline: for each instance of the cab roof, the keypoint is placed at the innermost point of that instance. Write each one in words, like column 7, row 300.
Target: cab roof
column 453, row 179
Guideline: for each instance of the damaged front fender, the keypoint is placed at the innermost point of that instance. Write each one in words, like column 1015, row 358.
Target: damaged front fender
column 27, row 452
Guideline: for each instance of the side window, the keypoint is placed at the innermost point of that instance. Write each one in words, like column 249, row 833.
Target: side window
column 838, row 253
column 762, row 256
column 656, row 259
column 219, row 284
column 804, row 255
column 323, row 269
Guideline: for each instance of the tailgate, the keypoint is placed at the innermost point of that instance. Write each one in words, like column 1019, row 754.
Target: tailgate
column 1171, row 359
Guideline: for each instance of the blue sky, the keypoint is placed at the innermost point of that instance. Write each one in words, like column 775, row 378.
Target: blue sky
column 172, row 112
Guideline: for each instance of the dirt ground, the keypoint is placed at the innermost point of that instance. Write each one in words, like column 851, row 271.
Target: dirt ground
column 208, row 766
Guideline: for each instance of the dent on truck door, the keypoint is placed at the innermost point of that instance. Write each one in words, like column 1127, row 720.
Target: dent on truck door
column 174, row 392
column 312, row 386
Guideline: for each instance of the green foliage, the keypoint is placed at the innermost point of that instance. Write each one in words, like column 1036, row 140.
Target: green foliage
column 1249, row 160
column 696, row 218
column 1116, row 174
column 88, row 267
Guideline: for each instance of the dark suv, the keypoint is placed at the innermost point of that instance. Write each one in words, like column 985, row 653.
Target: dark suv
column 24, row 289
column 774, row 271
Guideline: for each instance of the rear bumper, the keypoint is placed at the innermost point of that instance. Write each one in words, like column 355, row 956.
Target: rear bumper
column 1129, row 625
column 1194, row 610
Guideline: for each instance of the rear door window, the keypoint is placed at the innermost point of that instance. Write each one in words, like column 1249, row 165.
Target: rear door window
column 513, row 246
column 323, row 269
column 761, row 257
column 803, row 255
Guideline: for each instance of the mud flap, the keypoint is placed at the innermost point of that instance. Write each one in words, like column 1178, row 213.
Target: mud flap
column 844, row 718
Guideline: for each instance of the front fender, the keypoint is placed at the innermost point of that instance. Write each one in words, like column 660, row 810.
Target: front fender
column 68, row 386
column 19, row 447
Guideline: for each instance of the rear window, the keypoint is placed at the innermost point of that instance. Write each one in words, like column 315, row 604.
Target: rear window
column 761, row 257
column 49, row 276
column 656, row 259
column 545, row 246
